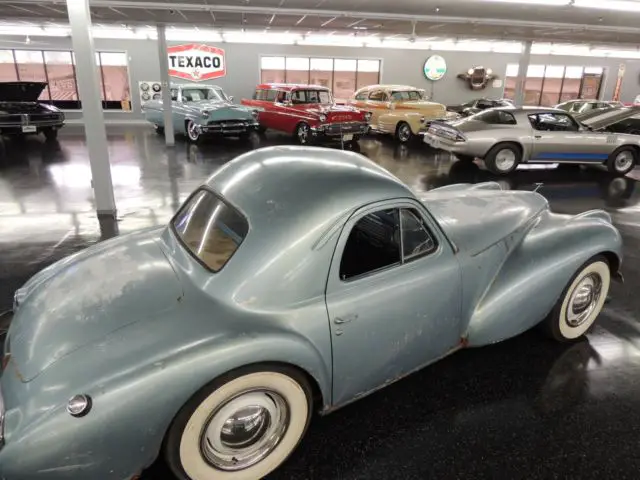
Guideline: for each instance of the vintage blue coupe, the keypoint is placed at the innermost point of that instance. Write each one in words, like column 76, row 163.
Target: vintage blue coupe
column 295, row 280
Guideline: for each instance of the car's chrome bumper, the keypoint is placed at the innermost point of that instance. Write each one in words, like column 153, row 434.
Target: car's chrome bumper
column 337, row 130
column 229, row 127
column 434, row 141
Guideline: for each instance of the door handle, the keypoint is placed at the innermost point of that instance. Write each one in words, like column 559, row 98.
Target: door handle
column 538, row 136
column 345, row 319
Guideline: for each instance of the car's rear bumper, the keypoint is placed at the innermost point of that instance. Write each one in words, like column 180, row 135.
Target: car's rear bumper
column 440, row 143
column 229, row 127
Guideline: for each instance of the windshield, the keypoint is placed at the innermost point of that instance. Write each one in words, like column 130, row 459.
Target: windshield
column 311, row 96
column 203, row 93
column 402, row 95
column 210, row 229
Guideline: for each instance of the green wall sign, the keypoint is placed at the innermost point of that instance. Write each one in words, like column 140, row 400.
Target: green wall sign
column 435, row 67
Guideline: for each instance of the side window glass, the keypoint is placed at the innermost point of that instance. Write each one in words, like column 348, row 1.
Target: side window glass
column 416, row 238
column 281, row 97
column 373, row 244
column 270, row 95
column 174, row 94
column 553, row 122
column 377, row 96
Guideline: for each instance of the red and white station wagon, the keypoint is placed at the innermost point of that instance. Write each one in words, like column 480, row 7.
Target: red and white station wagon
column 308, row 112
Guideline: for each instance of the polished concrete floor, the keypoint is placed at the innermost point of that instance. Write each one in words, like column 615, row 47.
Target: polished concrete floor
column 525, row 408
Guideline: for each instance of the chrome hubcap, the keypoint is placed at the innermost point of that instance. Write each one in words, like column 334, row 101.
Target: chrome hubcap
column 584, row 299
column 192, row 129
column 245, row 430
column 624, row 160
column 505, row 160
column 303, row 133
column 404, row 133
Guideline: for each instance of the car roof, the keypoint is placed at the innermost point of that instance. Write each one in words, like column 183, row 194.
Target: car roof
column 389, row 87
column 291, row 187
column 289, row 86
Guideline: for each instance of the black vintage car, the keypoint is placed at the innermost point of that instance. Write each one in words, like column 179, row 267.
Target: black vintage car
column 477, row 105
column 22, row 114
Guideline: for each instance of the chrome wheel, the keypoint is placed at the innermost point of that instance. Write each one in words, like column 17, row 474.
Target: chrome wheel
column 624, row 161
column 404, row 132
column 303, row 133
column 245, row 430
column 584, row 299
column 193, row 131
column 505, row 160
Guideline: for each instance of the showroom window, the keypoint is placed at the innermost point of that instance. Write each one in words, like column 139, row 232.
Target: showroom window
column 548, row 85
column 57, row 68
column 343, row 76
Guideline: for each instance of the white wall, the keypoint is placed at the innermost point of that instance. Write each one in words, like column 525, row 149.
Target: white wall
column 398, row 66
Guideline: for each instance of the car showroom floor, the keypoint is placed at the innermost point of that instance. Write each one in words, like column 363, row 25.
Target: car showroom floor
column 526, row 408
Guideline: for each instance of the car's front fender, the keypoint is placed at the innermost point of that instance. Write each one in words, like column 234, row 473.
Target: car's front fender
column 537, row 270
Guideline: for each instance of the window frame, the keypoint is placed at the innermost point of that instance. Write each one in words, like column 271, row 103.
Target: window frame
column 561, row 114
column 186, row 248
column 432, row 227
column 403, row 258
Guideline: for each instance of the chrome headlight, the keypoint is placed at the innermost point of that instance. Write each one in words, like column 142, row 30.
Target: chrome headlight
column 205, row 114
column 367, row 116
column 323, row 118
column 254, row 113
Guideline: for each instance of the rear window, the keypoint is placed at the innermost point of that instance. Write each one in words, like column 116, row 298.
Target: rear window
column 210, row 229
column 495, row 117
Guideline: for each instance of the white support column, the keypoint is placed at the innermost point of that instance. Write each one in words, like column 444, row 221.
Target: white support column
column 92, row 115
column 167, row 107
column 523, row 66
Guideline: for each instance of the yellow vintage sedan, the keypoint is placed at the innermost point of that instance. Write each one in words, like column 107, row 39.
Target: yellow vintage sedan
column 400, row 110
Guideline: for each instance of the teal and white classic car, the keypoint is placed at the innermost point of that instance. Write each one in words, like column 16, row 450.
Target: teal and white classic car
column 202, row 109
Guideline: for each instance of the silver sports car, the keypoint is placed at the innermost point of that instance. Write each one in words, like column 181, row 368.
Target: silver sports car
column 506, row 137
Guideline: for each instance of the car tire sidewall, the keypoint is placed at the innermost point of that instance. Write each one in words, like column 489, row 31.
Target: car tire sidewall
column 189, row 137
column 296, row 133
column 490, row 158
column 402, row 125
column 182, row 445
column 611, row 162
column 556, row 325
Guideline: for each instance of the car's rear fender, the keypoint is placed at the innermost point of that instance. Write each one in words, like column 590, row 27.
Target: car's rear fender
column 534, row 274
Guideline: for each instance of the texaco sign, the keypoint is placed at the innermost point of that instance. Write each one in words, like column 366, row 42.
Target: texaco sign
column 196, row 62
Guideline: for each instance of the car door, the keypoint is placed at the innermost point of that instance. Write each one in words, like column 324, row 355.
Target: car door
column 557, row 137
column 378, row 104
column 393, row 297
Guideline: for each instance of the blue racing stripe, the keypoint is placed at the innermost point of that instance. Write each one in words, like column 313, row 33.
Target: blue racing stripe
column 571, row 156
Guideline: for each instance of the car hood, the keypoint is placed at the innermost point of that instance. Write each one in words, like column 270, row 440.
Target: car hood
column 87, row 296
column 608, row 117
column 21, row 91
column 474, row 217
column 226, row 109
column 419, row 105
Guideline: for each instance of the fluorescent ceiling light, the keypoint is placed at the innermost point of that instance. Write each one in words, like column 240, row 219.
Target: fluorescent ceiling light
column 619, row 5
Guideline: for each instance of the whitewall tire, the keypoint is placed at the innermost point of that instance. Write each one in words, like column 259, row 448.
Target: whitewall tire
column 581, row 301
column 193, row 131
column 240, row 427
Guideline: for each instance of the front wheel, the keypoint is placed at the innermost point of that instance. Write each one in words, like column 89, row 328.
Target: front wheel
column 580, row 302
column 403, row 132
column 622, row 160
column 241, row 426
column 193, row 131
column 503, row 158
column 302, row 135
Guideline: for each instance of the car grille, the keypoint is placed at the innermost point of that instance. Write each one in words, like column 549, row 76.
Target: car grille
column 43, row 119
column 346, row 127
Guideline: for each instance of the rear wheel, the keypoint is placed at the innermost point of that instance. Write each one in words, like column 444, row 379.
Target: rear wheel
column 503, row 158
column 403, row 132
column 623, row 160
column 581, row 301
column 241, row 426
